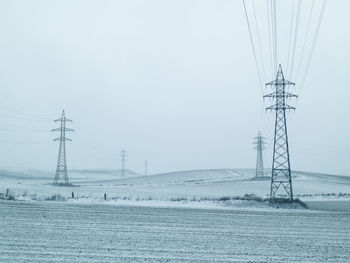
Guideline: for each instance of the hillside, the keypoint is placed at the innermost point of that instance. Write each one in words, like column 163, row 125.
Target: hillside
column 181, row 186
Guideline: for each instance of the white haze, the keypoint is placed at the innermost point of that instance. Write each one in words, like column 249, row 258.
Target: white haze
column 173, row 82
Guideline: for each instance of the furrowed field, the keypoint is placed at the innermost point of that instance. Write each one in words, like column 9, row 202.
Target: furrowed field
column 61, row 232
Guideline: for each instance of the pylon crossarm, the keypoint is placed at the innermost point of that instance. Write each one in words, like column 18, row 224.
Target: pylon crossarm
column 290, row 95
column 63, row 119
column 280, row 82
column 273, row 107
column 271, row 95
column 63, row 139
column 287, row 107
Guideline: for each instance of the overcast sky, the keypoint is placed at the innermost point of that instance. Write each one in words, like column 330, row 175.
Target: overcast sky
column 173, row 82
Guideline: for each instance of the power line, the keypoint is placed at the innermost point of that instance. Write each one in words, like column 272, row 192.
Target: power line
column 24, row 142
column 295, row 37
column 305, row 40
column 32, row 116
column 88, row 153
column 290, row 35
column 274, row 31
column 270, row 38
column 17, row 127
column 22, row 118
column 259, row 41
column 253, row 48
column 26, row 131
column 313, row 45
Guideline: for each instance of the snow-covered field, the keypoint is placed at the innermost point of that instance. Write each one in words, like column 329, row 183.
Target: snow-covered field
column 191, row 216
column 60, row 232
column 223, row 188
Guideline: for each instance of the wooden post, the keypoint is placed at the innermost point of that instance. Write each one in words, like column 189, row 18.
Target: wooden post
column 73, row 195
column 105, row 196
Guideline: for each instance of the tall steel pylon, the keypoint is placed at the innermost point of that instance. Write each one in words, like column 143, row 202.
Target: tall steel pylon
column 123, row 157
column 259, row 146
column 61, row 176
column 281, row 172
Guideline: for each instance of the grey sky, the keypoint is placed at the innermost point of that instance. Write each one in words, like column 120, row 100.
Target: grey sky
column 173, row 82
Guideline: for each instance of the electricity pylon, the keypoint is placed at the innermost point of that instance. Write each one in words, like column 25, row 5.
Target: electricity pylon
column 281, row 172
column 146, row 167
column 61, row 170
column 123, row 157
column 259, row 146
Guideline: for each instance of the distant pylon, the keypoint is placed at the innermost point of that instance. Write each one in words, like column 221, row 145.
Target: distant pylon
column 61, row 176
column 123, row 157
column 281, row 172
column 146, row 167
column 259, row 146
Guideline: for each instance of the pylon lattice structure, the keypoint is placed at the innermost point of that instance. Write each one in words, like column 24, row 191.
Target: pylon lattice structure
column 123, row 157
column 259, row 146
column 281, row 172
column 146, row 167
column 61, row 176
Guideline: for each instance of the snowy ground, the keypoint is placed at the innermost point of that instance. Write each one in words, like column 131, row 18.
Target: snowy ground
column 189, row 216
column 61, row 232
column 217, row 188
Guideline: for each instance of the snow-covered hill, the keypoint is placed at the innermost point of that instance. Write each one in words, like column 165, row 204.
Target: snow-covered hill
column 182, row 186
